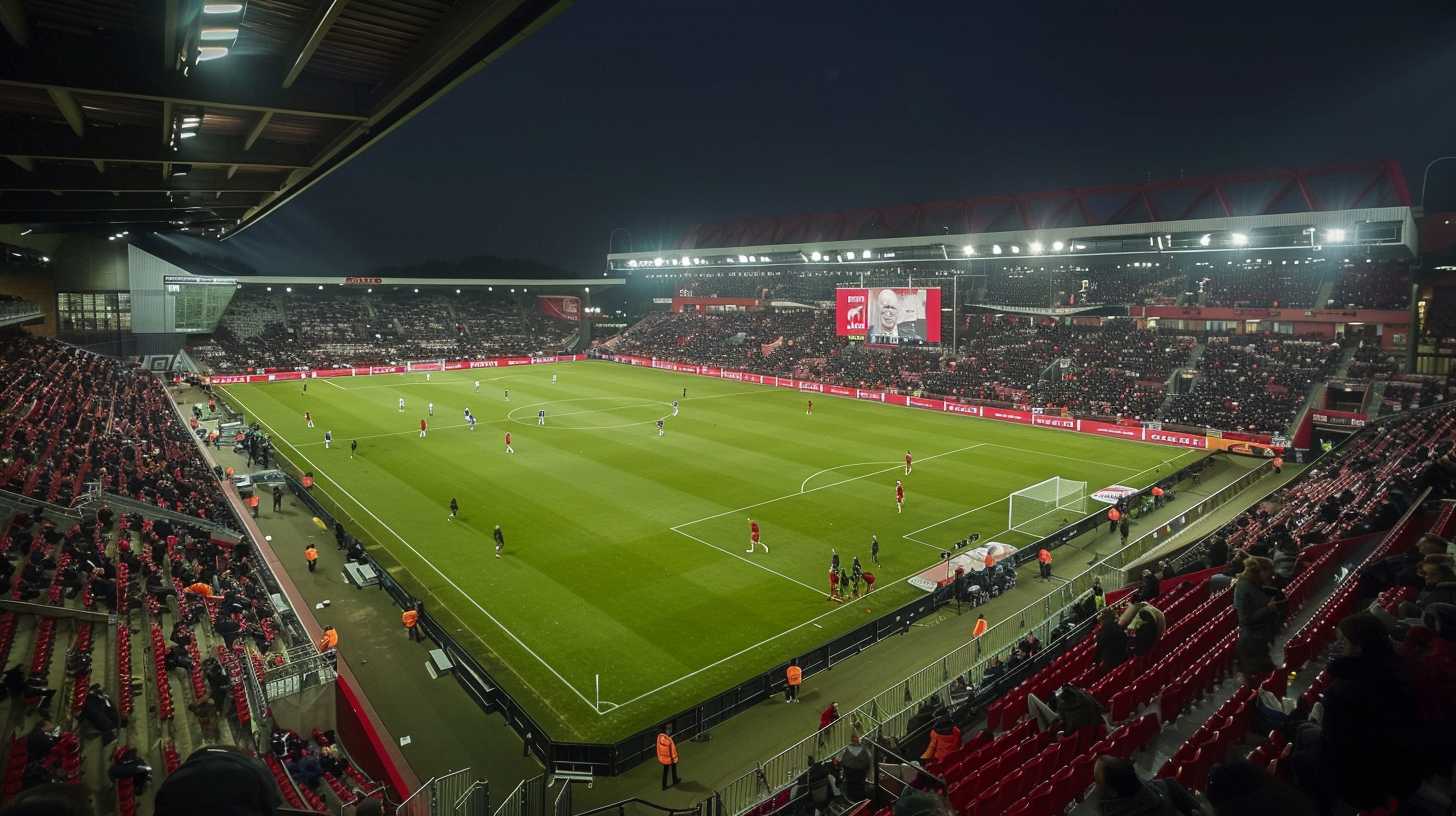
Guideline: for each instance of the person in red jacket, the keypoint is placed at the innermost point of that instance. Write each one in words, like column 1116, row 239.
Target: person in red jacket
column 828, row 716
column 945, row 738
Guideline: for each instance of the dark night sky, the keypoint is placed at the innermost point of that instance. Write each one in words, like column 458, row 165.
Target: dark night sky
column 651, row 116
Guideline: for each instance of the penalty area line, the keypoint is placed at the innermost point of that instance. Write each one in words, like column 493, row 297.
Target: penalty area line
column 748, row 561
column 427, row 561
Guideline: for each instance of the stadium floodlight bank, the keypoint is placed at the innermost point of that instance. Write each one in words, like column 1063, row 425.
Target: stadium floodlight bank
column 1049, row 504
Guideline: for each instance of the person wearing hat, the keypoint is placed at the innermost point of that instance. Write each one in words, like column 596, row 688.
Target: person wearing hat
column 219, row 780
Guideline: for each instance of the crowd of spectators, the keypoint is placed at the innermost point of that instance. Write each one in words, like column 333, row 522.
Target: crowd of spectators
column 332, row 329
column 71, row 418
column 1243, row 383
column 1254, row 384
column 1368, row 284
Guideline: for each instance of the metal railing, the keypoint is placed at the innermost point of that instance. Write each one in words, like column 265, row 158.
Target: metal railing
column 454, row 794
column 886, row 714
column 527, row 798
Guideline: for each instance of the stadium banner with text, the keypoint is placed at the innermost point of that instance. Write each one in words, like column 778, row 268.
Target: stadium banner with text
column 365, row 371
column 561, row 307
column 888, row 315
column 1065, row 423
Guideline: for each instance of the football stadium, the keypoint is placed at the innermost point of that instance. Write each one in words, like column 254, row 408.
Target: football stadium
column 332, row 480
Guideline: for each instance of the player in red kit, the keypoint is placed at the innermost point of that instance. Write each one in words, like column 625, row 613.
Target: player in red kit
column 908, row 461
column 810, row 412
column 754, row 539
column 899, row 496
column 509, row 449
column 423, row 427
column 834, row 585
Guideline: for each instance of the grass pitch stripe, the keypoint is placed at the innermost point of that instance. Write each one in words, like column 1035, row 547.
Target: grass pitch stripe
column 421, row 556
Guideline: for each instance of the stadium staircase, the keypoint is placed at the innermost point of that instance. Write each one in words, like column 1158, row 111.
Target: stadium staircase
column 1191, row 364
column 1326, row 291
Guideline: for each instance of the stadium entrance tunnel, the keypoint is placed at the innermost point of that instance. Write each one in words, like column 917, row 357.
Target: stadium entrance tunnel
column 592, row 413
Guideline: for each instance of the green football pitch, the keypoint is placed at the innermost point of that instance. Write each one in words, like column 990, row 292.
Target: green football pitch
column 625, row 594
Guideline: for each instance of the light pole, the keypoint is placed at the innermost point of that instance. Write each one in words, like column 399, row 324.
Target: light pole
column 1426, row 174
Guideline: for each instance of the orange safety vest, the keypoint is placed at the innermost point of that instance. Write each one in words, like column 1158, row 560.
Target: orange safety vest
column 990, row 560
column 1044, row 556
column 1278, row 461
column 796, row 675
column 229, row 471
column 330, row 640
column 1113, row 515
column 666, row 749
column 409, row 617
column 200, row 588
column 981, row 627
column 1157, row 491
column 253, row 500
column 311, row 554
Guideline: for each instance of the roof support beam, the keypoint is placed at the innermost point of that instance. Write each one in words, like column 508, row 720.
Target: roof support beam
column 327, row 15
column 258, row 128
column 66, row 103
column 169, row 37
column 136, row 145
column 23, row 162
column 100, row 165
column 120, row 68
column 12, row 18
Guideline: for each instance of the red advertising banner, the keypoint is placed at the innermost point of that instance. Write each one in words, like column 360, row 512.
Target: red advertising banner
column 888, row 315
column 561, row 307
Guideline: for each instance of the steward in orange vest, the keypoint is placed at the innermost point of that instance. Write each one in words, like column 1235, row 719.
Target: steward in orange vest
column 794, row 676
column 667, row 755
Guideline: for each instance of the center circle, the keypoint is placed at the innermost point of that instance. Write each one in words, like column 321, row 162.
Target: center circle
column 592, row 413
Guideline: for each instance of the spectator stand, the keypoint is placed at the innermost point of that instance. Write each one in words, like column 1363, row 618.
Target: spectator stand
column 344, row 699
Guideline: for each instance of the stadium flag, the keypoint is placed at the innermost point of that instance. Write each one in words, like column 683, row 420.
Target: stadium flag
column 769, row 348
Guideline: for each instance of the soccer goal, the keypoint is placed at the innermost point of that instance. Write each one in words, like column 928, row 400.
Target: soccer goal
column 1046, row 506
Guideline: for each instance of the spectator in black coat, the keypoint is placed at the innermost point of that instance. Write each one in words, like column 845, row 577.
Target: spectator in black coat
column 1218, row 551
column 1121, row 793
column 1149, row 588
column 1370, row 725
column 1145, row 635
column 1112, row 643
column 100, row 713
column 43, row 737
column 1241, row 788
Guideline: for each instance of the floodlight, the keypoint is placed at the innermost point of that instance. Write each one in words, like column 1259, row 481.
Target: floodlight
column 741, row 259
column 815, row 256
column 288, row 289
column 417, row 291
column 1239, row 239
column 995, row 249
column 632, row 264
column 44, row 259
column 851, row 254
column 866, row 255
column 1334, row 235
column 1205, row 240
column 657, row 262
column 1058, row 246
column 1035, row 247
column 219, row 33
column 211, row 52
column 687, row 260
column 968, row 249
column 222, row 8
column 1015, row 250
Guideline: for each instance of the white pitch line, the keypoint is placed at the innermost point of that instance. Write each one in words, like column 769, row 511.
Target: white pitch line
column 750, row 562
column 811, row 476
column 431, row 564
column 819, row 488
column 334, row 384
column 951, row 518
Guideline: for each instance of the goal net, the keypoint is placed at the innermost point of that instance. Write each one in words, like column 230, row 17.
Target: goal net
column 1047, row 506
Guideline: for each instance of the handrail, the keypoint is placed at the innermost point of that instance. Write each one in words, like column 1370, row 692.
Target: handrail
column 21, row 500
column 86, row 502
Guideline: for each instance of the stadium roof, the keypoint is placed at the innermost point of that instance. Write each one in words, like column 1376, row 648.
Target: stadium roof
column 1269, row 192
column 160, row 114
column 1360, row 205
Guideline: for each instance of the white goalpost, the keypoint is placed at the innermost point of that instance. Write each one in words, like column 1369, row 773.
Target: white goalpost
column 1033, row 509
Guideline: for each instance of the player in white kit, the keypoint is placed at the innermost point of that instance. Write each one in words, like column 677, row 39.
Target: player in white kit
column 401, row 404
